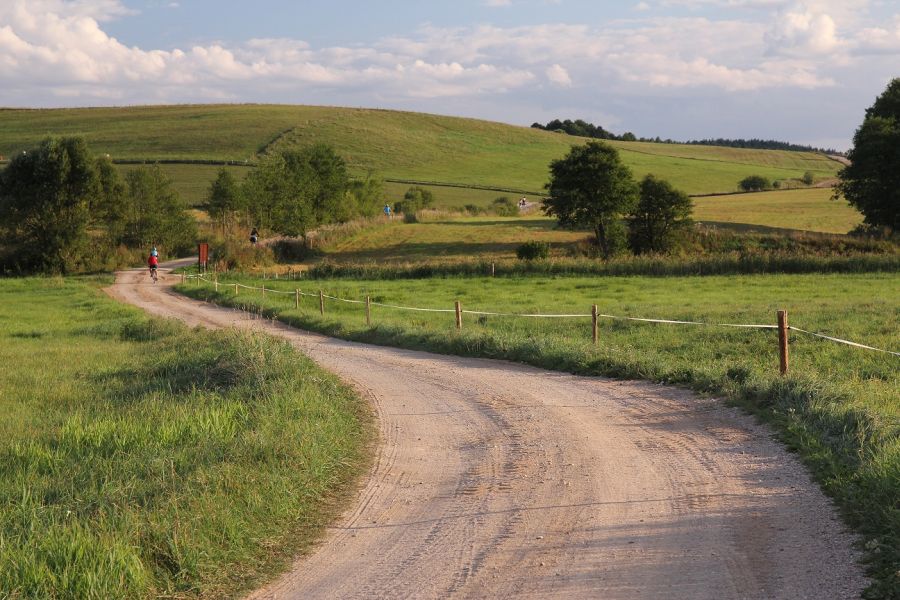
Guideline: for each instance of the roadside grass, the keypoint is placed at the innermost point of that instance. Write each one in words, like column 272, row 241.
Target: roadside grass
column 393, row 144
column 838, row 408
column 141, row 459
column 805, row 209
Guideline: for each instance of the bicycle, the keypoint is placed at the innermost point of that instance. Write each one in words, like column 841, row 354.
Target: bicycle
column 153, row 274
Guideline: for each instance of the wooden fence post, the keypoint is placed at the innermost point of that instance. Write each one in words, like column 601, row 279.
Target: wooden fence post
column 264, row 290
column 594, row 322
column 183, row 278
column 216, row 283
column 235, row 289
column 368, row 312
column 297, row 299
column 783, row 340
column 322, row 303
column 492, row 269
column 458, row 316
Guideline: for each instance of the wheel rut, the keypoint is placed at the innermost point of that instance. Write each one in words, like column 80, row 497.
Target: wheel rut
column 499, row 480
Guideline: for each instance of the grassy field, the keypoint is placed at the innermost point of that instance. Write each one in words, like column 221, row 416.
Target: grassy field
column 192, row 181
column 804, row 210
column 393, row 144
column 838, row 407
column 449, row 239
column 140, row 459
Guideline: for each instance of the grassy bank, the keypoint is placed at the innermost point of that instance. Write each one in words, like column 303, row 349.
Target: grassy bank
column 838, row 408
column 141, row 459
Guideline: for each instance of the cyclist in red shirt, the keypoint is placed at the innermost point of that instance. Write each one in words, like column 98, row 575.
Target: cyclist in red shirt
column 153, row 263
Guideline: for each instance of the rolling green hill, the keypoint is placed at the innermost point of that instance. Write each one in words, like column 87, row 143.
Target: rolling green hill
column 396, row 145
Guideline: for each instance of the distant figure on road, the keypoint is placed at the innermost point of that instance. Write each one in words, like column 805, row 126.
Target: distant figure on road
column 387, row 211
column 153, row 263
column 254, row 236
column 523, row 202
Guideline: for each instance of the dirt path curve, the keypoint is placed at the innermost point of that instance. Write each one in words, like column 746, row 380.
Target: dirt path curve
column 497, row 480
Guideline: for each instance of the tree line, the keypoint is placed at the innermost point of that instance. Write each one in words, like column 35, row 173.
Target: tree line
column 65, row 210
column 292, row 192
column 582, row 128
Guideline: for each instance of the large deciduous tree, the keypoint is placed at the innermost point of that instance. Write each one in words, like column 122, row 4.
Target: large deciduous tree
column 46, row 201
column 871, row 182
column 661, row 213
column 590, row 187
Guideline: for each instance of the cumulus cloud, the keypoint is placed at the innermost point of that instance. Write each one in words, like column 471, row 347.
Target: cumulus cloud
column 59, row 49
column 559, row 75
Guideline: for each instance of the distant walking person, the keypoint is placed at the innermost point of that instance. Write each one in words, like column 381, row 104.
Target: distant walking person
column 387, row 210
column 254, row 236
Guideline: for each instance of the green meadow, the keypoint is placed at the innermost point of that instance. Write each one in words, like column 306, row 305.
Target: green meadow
column 141, row 459
column 803, row 209
column 837, row 407
column 393, row 144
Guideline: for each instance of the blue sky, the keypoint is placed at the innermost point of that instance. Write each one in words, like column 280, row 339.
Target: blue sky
column 797, row 70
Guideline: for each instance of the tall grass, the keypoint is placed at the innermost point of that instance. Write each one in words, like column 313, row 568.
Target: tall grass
column 838, row 407
column 141, row 459
column 725, row 264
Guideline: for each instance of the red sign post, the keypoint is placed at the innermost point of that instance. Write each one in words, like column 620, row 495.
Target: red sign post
column 204, row 255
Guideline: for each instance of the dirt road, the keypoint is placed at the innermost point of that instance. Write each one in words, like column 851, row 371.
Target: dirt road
column 496, row 480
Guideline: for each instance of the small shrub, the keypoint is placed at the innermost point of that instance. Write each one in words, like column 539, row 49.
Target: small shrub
column 289, row 250
column 410, row 217
column 232, row 254
column 533, row 250
column 808, row 178
column 755, row 183
column 504, row 207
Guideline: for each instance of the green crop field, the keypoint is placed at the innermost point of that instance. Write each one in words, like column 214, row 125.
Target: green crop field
column 140, row 459
column 804, row 210
column 398, row 145
column 838, row 407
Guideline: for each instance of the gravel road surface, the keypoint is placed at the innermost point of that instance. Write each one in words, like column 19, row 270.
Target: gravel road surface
column 497, row 480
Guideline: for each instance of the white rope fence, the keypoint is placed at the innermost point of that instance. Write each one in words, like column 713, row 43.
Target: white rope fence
column 782, row 326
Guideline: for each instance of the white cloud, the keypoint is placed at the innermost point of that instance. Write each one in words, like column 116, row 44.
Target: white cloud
column 59, row 49
column 804, row 32
column 559, row 75
column 496, row 3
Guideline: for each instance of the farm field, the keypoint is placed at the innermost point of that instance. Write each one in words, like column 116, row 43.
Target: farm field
column 804, row 210
column 837, row 408
column 392, row 144
column 449, row 239
column 139, row 458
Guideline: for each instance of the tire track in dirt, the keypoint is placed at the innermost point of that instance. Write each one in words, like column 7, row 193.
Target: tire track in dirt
column 499, row 480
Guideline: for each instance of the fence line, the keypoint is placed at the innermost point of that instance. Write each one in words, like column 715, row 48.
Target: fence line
column 593, row 315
